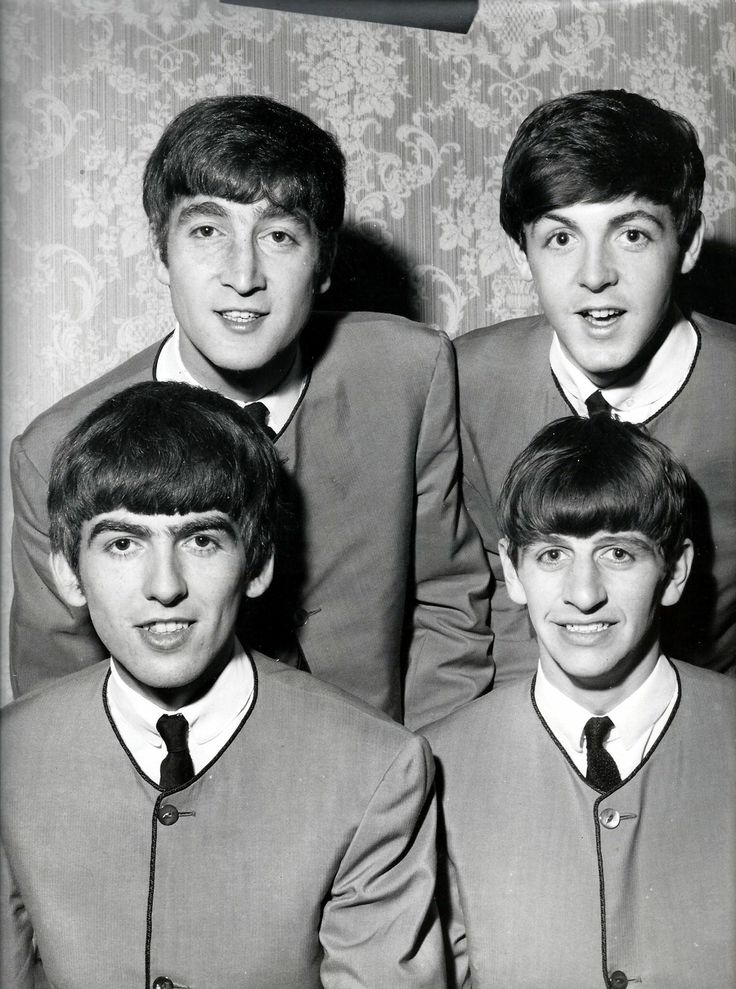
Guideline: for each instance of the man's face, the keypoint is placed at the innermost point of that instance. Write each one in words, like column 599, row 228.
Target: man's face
column 163, row 593
column 594, row 602
column 242, row 279
column 604, row 274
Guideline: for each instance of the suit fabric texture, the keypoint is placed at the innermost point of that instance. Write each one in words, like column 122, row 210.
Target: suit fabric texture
column 392, row 585
column 508, row 393
column 302, row 856
column 544, row 881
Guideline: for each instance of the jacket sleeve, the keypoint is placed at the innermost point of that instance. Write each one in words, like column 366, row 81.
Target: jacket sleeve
column 515, row 648
column 449, row 660
column 380, row 925
column 47, row 638
column 17, row 954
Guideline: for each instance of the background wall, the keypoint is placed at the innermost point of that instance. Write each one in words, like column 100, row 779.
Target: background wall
column 423, row 117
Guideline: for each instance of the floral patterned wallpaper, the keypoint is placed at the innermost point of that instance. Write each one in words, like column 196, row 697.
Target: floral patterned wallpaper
column 423, row 117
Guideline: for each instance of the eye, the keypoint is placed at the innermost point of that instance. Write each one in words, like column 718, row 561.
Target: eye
column 122, row 546
column 202, row 544
column 635, row 237
column 279, row 238
column 205, row 232
column 551, row 557
column 560, row 238
column 617, row 554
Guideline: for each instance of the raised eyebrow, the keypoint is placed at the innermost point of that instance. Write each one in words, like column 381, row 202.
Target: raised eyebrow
column 564, row 221
column 204, row 210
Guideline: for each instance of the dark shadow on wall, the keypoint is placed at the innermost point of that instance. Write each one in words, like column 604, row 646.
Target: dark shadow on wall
column 368, row 276
column 711, row 287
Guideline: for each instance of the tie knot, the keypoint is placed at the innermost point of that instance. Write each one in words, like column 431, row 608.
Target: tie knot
column 259, row 414
column 596, row 731
column 597, row 405
column 174, row 729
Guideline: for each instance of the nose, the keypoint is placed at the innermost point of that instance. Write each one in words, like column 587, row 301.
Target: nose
column 584, row 587
column 242, row 268
column 164, row 578
column 597, row 268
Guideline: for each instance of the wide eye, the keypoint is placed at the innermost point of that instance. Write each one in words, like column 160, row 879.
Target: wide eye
column 559, row 239
column 635, row 237
column 205, row 231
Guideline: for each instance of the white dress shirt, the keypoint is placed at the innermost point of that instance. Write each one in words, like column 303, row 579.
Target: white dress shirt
column 280, row 403
column 647, row 391
column 212, row 719
column 638, row 721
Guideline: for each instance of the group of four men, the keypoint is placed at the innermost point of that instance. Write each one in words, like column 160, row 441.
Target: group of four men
column 275, row 487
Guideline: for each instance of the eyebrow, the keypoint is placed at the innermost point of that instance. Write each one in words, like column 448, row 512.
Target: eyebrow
column 206, row 523
column 616, row 221
column 209, row 208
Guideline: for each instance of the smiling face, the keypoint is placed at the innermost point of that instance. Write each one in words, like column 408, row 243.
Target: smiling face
column 594, row 602
column 604, row 274
column 163, row 593
column 242, row 279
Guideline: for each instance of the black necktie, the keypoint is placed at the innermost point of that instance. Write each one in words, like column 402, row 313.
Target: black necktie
column 602, row 769
column 259, row 413
column 176, row 767
column 597, row 405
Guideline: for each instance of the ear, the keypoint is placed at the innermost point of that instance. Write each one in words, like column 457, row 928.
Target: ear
column 514, row 586
column 677, row 577
column 160, row 269
column 262, row 582
column 692, row 252
column 520, row 260
column 67, row 582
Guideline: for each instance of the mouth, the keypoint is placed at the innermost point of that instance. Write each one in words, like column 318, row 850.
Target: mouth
column 589, row 628
column 239, row 317
column 165, row 634
column 601, row 317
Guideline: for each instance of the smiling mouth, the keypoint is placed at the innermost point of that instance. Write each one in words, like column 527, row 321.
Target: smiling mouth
column 589, row 628
column 240, row 316
column 601, row 317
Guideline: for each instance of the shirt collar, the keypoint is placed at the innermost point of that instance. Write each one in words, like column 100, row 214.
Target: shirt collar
column 631, row 718
column 227, row 700
column 639, row 400
column 280, row 402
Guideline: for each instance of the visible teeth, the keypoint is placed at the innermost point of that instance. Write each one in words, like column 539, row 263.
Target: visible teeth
column 588, row 629
column 161, row 627
column 602, row 313
column 240, row 317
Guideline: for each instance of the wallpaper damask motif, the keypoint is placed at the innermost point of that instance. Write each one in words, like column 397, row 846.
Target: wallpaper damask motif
column 423, row 117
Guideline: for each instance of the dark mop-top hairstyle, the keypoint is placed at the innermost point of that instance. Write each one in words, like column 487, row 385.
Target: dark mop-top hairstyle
column 162, row 448
column 581, row 476
column 599, row 146
column 248, row 148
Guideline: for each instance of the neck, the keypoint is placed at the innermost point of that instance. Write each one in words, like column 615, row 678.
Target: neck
column 174, row 698
column 633, row 371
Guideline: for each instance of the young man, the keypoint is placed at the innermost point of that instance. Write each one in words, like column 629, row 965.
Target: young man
column 600, row 201
column 388, row 593
column 190, row 813
column 590, row 839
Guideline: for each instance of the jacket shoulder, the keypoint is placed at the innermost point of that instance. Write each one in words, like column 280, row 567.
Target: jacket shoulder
column 41, row 437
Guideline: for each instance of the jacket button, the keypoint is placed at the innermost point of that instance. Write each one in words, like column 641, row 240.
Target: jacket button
column 610, row 818
column 162, row 983
column 618, row 980
column 168, row 814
